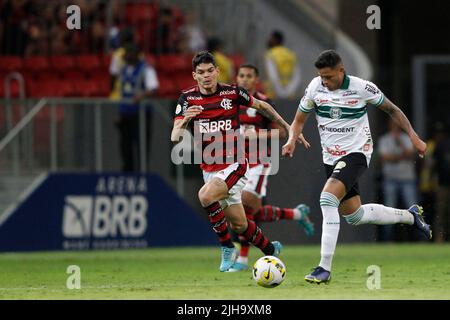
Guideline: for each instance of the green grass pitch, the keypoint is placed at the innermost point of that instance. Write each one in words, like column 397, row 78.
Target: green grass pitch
column 408, row 271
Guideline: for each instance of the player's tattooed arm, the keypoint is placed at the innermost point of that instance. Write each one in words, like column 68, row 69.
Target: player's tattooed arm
column 400, row 118
column 270, row 113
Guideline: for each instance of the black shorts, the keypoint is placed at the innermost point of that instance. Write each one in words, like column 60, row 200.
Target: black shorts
column 348, row 169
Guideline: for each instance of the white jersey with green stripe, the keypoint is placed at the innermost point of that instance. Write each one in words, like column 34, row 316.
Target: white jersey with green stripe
column 342, row 116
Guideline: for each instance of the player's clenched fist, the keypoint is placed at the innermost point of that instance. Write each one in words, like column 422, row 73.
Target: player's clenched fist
column 193, row 111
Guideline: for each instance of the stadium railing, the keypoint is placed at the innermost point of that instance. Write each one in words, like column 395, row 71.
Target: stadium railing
column 76, row 135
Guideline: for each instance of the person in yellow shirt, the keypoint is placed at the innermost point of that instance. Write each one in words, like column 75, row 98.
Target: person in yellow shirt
column 126, row 36
column 225, row 64
column 282, row 68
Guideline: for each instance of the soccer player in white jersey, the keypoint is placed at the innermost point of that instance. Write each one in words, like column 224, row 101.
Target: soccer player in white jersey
column 340, row 102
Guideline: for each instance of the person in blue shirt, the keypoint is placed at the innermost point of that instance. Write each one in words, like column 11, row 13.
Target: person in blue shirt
column 138, row 81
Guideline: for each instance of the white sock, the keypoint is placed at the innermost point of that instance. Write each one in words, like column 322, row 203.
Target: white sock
column 373, row 213
column 297, row 214
column 243, row 260
column 330, row 228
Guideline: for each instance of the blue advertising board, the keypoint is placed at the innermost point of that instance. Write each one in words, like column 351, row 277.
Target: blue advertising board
column 103, row 211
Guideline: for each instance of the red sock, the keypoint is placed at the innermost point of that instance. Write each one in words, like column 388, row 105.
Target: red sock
column 254, row 235
column 270, row 213
column 245, row 245
column 217, row 218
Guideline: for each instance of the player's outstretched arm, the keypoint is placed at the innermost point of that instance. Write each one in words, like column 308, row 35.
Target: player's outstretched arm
column 180, row 125
column 400, row 118
column 270, row 113
column 295, row 134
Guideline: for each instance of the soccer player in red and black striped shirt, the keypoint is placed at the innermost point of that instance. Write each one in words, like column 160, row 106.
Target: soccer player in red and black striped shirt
column 212, row 111
column 253, row 126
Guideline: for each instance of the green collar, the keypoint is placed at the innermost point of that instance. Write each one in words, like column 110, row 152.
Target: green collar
column 346, row 82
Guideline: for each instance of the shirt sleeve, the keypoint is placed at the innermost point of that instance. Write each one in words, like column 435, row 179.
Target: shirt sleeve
column 182, row 105
column 307, row 103
column 114, row 66
column 244, row 98
column 383, row 147
column 151, row 79
column 406, row 141
column 371, row 94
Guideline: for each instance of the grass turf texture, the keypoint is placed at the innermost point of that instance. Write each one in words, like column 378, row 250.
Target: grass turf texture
column 408, row 271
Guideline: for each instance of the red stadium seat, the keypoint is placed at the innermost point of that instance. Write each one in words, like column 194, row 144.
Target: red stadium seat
column 150, row 59
column 52, row 88
column 104, row 89
column 10, row 63
column 36, row 64
column 174, row 63
column 43, row 76
column 167, row 88
column 14, row 87
column 67, row 89
column 73, row 75
column 62, row 63
column 86, row 88
column 184, row 82
column 136, row 13
column 88, row 63
column 103, row 83
column 106, row 61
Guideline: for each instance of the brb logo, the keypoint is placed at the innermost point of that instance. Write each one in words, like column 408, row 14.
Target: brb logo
column 206, row 126
column 103, row 216
column 115, row 216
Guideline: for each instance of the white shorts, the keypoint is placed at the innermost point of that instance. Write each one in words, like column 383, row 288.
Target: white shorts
column 235, row 176
column 257, row 180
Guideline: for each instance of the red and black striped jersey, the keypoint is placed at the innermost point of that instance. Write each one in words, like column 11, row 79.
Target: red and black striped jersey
column 217, row 123
column 253, row 120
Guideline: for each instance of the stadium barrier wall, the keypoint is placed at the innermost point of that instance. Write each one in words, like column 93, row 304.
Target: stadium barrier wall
column 84, row 211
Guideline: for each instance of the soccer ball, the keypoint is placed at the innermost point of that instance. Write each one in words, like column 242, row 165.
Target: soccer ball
column 269, row 271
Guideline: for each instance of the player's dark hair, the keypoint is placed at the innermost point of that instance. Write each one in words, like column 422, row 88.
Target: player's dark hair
column 328, row 58
column 203, row 57
column 250, row 66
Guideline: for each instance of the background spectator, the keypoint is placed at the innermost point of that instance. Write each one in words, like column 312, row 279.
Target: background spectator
column 399, row 178
column 138, row 81
column 428, row 184
column 192, row 37
column 126, row 36
column 225, row 64
column 283, row 71
column 166, row 32
column 16, row 16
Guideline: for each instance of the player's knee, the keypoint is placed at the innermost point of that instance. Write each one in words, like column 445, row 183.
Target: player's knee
column 328, row 199
column 206, row 197
column 355, row 217
column 239, row 226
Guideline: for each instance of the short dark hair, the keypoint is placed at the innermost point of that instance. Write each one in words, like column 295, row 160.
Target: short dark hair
column 328, row 58
column 131, row 48
column 278, row 36
column 250, row 66
column 203, row 57
column 214, row 44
